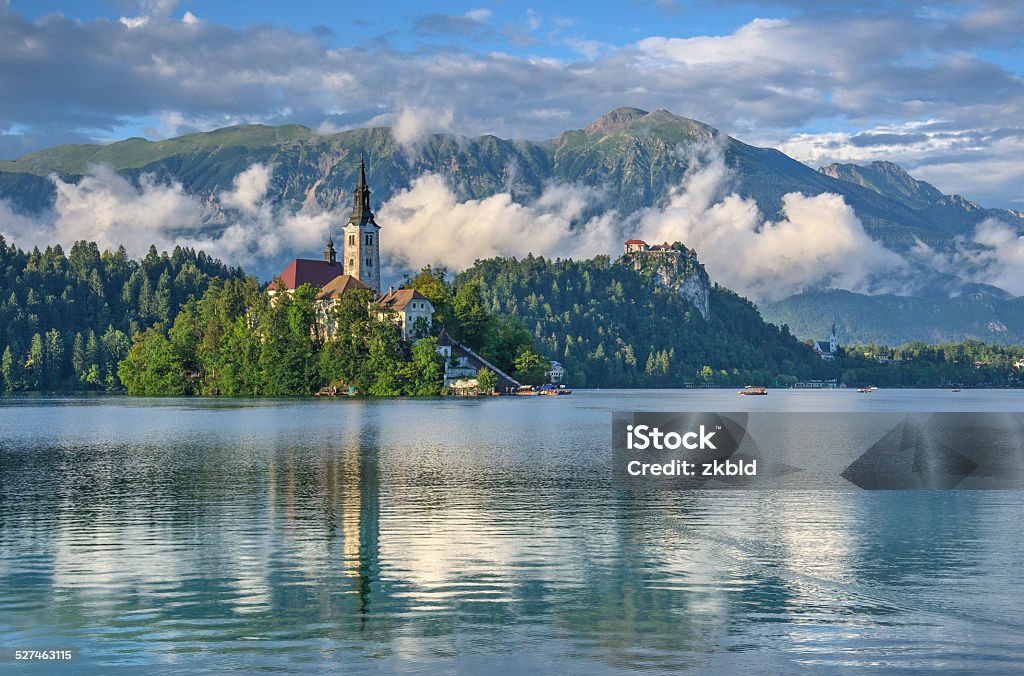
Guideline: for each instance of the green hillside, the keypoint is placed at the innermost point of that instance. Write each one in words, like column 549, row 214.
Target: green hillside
column 614, row 326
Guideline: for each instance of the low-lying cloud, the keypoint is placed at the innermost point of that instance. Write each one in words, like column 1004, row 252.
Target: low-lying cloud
column 427, row 224
column 107, row 208
column 818, row 242
column 993, row 254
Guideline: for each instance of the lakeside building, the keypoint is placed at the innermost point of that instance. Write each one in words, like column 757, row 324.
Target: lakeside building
column 461, row 365
column 410, row 309
column 556, row 373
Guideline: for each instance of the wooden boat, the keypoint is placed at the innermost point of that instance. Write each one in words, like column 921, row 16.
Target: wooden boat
column 754, row 389
column 866, row 390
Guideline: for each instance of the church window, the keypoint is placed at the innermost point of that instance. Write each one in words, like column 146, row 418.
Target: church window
column 369, row 262
column 351, row 262
column 352, row 240
column 369, row 240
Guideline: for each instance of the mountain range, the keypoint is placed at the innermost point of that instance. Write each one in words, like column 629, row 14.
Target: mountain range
column 636, row 158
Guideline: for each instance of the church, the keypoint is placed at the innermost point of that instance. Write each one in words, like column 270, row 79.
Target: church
column 827, row 349
column 359, row 268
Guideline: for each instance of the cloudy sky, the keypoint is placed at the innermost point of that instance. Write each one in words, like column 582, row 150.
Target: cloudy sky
column 936, row 87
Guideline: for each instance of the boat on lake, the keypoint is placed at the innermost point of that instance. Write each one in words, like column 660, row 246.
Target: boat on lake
column 537, row 390
column 754, row 389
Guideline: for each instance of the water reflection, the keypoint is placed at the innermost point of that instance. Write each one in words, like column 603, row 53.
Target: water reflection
column 433, row 535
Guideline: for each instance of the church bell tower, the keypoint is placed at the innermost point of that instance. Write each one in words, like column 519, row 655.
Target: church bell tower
column 362, row 237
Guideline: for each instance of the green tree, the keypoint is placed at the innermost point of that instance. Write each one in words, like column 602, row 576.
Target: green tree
column 290, row 344
column 151, row 367
column 432, row 283
column 35, row 364
column 7, row 375
column 531, row 368
column 425, row 371
column 487, row 380
column 472, row 315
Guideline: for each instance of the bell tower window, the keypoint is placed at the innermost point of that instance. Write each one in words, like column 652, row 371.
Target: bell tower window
column 369, row 240
column 351, row 240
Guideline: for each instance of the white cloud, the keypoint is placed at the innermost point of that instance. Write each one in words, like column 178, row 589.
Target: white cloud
column 249, row 188
column 994, row 255
column 412, row 124
column 131, row 22
column 479, row 14
column 240, row 225
column 819, row 242
column 428, row 224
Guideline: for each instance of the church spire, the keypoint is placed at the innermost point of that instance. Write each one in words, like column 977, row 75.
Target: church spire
column 330, row 255
column 361, row 213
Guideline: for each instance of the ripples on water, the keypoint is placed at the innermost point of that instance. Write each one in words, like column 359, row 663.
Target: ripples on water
column 484, row 535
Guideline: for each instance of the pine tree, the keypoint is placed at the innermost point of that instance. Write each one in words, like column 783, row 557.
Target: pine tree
column 78, row 356
column 7, row 375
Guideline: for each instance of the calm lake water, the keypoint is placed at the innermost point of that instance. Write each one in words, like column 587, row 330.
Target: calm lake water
column 461, row 536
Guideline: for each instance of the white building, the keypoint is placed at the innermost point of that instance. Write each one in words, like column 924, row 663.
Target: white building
column 410, row 309
column 556, row 373
column 362, row 237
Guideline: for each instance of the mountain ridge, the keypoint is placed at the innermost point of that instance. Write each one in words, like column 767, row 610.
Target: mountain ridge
column 634, row 159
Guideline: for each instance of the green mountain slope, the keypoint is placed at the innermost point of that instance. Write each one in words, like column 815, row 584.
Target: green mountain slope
column 897, row 320
column 947, row 214
column 635, row 157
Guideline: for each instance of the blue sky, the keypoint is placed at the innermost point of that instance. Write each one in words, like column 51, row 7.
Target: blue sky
column 936, row 87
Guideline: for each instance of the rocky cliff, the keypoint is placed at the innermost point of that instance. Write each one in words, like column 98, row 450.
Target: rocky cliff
column 675, row 268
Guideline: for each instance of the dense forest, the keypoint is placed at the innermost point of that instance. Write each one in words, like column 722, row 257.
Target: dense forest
column 237, row 340
column 66, row 320
column 968, row 364
column 184, row 323
column 612, row 326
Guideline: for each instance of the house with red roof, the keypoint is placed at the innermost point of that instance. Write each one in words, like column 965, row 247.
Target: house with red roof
column 410, row 309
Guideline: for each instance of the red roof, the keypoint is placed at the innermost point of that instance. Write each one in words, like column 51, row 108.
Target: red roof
column 398, row 299
column 635, row 241
column 339, row 286
column 305, row 271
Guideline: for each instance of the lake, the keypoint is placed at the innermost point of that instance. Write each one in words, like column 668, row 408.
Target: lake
column 457, row 536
